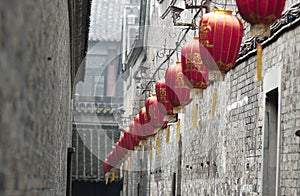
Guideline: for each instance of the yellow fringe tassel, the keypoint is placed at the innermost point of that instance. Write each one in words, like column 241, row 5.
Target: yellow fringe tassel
column 259, row 62
column 150, row 150
column 158, row 146
column 178, row 131
column 168, row 134
column 129, row 163
column 195, row 118
column 106, row 179
column 214, row 103
column 112, row 177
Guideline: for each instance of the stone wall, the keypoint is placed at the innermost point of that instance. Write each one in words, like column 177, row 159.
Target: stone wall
column 223, row 155
column 35, row 96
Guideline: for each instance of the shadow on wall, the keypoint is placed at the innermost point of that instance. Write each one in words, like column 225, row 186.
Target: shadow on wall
column 80, row 188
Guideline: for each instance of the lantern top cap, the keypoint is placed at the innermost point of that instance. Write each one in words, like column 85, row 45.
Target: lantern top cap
column 178, row 62
column 196, row 38
column 153, row 94
column 221, row 11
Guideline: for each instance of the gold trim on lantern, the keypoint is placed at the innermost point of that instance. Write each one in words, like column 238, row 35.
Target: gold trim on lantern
column 217, row 10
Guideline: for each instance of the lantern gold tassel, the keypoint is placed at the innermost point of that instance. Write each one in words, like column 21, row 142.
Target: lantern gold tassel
column 150, row 150
column 195, row 118
column 106, row 179
column 112, row 177
column 158, row 146
column 259, row 62
column 214, row 103
column 178, row 131
column 168, row 134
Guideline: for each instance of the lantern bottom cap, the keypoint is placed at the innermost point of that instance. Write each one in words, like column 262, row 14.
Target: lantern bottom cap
column 179, row 109
column 196, row 92
column 216, row 75
column 260, row 30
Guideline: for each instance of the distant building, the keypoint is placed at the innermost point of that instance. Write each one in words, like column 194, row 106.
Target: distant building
column 98, row 97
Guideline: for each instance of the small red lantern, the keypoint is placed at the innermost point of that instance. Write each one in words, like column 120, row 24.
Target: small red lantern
column 260, row 14
column 128, row 140
column 220, row 34
column 146, row 128
column 115, row 157
column 106, row 166
column 156, row 117
column 192, row 65
column 166, row 108
column 132, row 131
column 111, row 159
column 178, row 91
column 120, row 151
column 138, row 128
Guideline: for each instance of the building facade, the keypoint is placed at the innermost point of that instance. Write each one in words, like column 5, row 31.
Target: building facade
column 249, row 146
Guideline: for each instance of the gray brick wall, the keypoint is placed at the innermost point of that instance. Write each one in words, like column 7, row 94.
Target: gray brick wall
column 34, row 97
column 224, row 154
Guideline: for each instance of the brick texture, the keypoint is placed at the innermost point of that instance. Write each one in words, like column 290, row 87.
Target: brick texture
column 34, row 97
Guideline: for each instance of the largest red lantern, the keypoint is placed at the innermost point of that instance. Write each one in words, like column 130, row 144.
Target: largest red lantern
column 177, row 90
column 192, row 65
column 260, row 14
column 220, row 34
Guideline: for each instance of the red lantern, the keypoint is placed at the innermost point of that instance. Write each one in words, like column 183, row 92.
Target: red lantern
column 115, row 157
column 165, row 107
column 120, row 151
column 146, row 128
column 192, row 65
column 138, row 128
column 220, row 34
column 156, row 117
column 106, row 166
column 260, row 14
column 111, row 159
column 128, row 140
column 177, row 90
column 132, row 131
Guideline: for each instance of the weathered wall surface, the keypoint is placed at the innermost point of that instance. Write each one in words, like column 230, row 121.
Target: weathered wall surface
column 224, row 154
column 34, row 97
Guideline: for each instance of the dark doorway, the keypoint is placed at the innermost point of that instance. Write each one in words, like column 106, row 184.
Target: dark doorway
column 81, row 188
column 270, row 143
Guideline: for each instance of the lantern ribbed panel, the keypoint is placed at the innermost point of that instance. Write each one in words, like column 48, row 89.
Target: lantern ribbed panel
column 135, row 139
column 166, row 108
column 192, row 65
column 147, row 129
column 156, row 117
column 220, row 34
column 120, row 151
column 178, row 92
column 138, row 128
column 262, row 11
column 128, row 140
